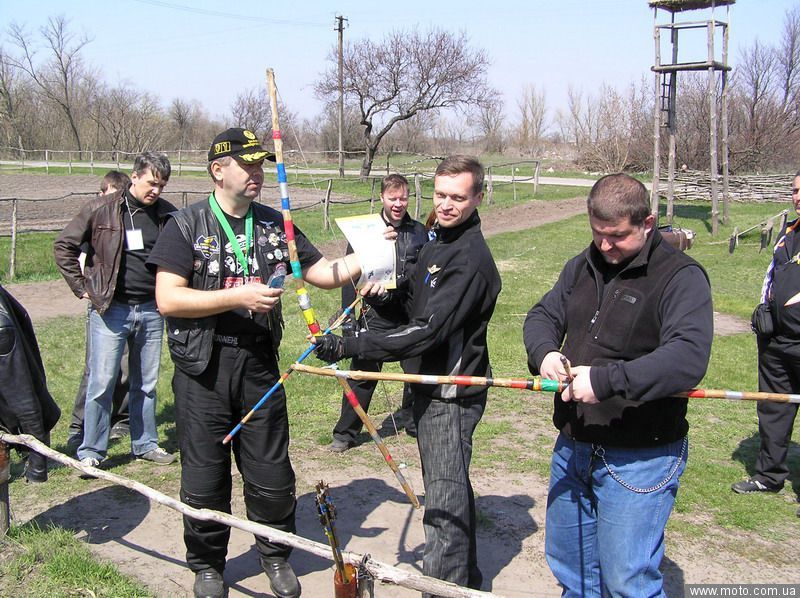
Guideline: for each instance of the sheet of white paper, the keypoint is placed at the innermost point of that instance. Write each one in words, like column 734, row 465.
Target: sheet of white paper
column 376, row 254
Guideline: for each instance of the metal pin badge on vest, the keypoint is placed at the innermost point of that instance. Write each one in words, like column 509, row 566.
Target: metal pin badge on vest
column 628, row 299
column 431, row 270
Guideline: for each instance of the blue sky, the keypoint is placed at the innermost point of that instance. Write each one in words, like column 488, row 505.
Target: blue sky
column 201, row 50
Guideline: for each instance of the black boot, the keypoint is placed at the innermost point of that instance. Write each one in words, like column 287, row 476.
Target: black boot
column 208, row 584
column 282, row 580
column 36, row 467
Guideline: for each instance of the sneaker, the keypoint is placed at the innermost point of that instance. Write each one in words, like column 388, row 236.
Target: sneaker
column 157, row 455
column 208, row 584
column 338, row 446
column 753, row 485
column 119, row 430
column 282, row 580
column 89, row 462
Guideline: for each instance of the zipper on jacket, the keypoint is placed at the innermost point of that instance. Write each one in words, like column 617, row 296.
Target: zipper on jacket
column 611, row 302
column 593, row 320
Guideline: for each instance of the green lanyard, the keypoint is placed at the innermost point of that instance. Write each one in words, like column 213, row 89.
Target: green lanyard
column 248, row 231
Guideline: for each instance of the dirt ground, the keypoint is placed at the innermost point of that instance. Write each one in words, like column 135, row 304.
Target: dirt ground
column 144, row 539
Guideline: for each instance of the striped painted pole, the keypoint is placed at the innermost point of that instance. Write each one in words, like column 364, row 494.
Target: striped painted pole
column 347, row 311
column 736, row 395
column 288, row 225
column 373, row 432
column 535, row 384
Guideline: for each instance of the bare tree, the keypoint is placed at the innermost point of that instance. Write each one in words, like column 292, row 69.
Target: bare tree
column 128, row 120
column 251, row 110
column 491, row 123
column 185, row 115
column 606, row 128
column 788, row 58
column 531, row 129
column 62, row 75
column 10, row 102
column 412, row 135
column 405, row 73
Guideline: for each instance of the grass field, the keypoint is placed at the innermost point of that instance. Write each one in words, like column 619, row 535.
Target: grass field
column 515, row 437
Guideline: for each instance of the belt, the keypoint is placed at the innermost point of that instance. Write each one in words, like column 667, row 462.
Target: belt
column 242, row 340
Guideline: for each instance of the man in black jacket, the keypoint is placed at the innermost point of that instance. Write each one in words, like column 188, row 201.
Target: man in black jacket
column 454, row 289
column 636, row 315
column 26, row 406
column 120, row 230
column 385, row 313
column 778, row 359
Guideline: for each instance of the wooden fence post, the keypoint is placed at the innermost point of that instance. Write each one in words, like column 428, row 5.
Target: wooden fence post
column 12, row 262
column 514, row 181
column 417, row 195
column 180, row 165
column 91, row 161
column 490, row 185
column 47, row 161
column 536, row 178
column 183, row 199
column 69, row 161
column 5, row 475
column 372, row 197
column 326, row 206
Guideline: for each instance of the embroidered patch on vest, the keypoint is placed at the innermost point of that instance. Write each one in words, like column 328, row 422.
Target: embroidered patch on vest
column 207, row 245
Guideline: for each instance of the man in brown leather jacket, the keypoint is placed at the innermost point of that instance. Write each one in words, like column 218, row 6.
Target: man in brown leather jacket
column 120, row 229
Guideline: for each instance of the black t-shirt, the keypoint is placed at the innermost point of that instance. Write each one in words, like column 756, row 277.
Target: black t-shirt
column 135, row 282
column 175, row 254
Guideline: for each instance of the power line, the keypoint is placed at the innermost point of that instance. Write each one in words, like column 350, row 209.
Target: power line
column 228, row 15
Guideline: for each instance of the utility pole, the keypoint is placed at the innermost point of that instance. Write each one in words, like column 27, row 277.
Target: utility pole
column 340, row 29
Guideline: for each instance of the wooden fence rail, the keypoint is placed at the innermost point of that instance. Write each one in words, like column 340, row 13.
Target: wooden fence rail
column 377, row 569
column 16, row 219
column 696, row 185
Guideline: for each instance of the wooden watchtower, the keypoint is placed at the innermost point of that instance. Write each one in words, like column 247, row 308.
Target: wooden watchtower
column 665, row 96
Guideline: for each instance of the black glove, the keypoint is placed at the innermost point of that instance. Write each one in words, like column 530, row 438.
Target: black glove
column 330, row 348
column 348, row 325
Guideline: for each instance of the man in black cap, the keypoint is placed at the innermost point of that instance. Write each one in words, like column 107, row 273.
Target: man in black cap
column 215, row 261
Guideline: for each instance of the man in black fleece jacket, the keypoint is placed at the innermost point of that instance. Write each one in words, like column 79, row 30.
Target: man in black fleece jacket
column 453, row 294
column 636, row 315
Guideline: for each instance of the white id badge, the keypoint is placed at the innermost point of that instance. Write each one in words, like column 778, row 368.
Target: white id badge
column 134, row 239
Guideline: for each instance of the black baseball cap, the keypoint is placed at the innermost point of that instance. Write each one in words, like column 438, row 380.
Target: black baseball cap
column 239, row 143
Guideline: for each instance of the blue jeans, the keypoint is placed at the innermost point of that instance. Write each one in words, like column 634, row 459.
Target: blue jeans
column 141, row 327
column 444, row 437
column 601, row 537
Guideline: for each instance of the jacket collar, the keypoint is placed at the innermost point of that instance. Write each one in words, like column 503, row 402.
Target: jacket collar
column 403, row 221
column 641, row 259
column 163, row 207
column 448, row 235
